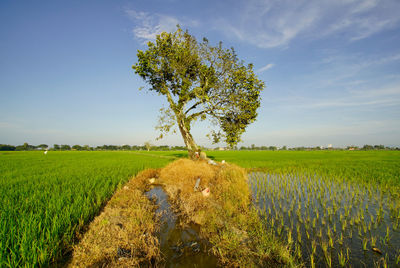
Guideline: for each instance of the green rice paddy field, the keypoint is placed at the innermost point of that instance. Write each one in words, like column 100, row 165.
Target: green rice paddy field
column 46, row 200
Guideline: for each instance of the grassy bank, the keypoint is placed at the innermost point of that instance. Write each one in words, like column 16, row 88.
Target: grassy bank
column 124, row 234
column 46, row 199
column 227, row 218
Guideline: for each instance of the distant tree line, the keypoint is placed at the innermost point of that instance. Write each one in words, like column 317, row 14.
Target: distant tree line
column 66, row 147
column 147, row 147
column 262, row 148
column 23, row 147
column 317, row 148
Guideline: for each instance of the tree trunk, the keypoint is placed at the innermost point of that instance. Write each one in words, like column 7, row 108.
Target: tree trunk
column 188, row 139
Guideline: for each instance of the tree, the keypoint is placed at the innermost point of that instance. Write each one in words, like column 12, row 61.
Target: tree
column 77, row 147
column 5, row 147
column 200, row 82
column 65, row 147
column 135, row 148
column 87, row 148
column 42, row 146
column 25, row 147
column 56, row 147
column 368, row 147
column 126, row 147
column 147, row 144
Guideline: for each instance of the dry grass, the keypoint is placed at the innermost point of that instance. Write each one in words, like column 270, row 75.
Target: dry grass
column 227, row 217
column 179, row 179
column 123, row 235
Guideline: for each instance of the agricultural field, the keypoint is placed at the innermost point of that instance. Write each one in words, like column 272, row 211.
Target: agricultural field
column 46, row 199
column 329, row 222
column 372, row 167
column 331, row 207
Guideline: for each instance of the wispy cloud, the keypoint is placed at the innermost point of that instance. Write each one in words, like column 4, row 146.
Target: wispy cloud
column 391, row 91
column 265, row 24
column 361, row 19
column 148, row 26
column 268, row 24
column 265, row 68
column 351, row 71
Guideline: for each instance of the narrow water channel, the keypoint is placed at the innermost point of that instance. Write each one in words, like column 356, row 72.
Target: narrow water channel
column 180, row 246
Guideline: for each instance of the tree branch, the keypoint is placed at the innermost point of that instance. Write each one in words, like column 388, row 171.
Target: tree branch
column 193, row 106
column 193, row 116
column 170, row 100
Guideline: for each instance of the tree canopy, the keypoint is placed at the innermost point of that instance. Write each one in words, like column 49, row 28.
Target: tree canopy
column 200, row 82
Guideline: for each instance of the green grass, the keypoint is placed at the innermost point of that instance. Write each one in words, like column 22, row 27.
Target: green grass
column 377, row 167
column 46, row 199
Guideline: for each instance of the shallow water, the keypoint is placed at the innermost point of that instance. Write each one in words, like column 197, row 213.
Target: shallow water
column 331, row 218
column 180, row 244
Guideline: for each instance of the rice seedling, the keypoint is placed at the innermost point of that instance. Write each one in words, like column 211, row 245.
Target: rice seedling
column 298, row 252
column 344, row 224
column 364, row 243
column 385, row 261
column 289, row 238
column 373, row 241
column 327, row 254
column 387, row 236
column 342, row 258
column 330, row 241
column 312, row 262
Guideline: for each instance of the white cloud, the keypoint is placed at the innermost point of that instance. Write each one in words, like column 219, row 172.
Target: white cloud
column 268, row 24
column 264, row 24
column 150, row 25
column 266, row 67
column 339, row 70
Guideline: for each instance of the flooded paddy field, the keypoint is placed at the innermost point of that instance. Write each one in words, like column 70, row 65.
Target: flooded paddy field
column 330, row 223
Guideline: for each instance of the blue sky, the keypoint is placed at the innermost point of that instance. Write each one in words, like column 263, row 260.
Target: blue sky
column 332, row 69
